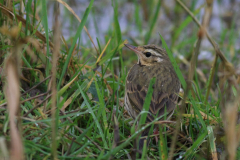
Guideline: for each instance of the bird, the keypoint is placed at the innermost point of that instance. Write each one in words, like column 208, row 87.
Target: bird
column 153, row 61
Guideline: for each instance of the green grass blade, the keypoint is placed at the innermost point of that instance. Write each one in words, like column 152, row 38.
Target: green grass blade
column 190, row 152
column 137, row 16
column 45, row 24
column 112, row 52
column 79, row 30
column 153, row 22
column 182, row 80
column 116, row 23
column 28, row 12
column 147, row 102
column 196, row 110
column 118, row 33
column 94, row 117
column 134, row 135
column 211, row 139
column 81, row 137
column 174, row 63
column 183, row 25
column 144, row 152
column 102, row 107
column 162, row 145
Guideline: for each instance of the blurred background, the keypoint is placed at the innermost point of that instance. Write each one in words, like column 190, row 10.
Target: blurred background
column 137, row 17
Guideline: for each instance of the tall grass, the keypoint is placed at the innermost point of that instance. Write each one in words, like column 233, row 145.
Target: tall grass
column 69, row 103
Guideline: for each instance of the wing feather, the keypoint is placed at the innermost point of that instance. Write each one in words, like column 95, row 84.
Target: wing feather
column 164, row 93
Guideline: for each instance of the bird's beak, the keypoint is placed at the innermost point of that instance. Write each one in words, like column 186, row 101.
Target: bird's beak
column 133, row 48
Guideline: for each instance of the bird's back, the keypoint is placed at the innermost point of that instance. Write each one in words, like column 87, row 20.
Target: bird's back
column 166, row 87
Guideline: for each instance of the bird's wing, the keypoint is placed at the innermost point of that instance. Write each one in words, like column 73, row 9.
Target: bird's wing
column 137, row 91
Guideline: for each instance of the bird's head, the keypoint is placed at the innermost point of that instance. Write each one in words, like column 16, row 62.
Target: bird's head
column 149, row 54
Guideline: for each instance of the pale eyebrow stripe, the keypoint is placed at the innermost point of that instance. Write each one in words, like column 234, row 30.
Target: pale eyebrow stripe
column 153, row 52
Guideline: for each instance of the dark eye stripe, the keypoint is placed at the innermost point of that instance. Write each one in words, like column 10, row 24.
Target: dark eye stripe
column 151, row 54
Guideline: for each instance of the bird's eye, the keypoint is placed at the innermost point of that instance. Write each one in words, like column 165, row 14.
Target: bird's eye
column 148, row 54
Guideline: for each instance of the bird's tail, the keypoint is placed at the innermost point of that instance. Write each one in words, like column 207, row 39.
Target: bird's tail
column 144, row 137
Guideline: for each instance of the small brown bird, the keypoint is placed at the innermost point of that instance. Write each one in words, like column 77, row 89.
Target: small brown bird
column 153, row 61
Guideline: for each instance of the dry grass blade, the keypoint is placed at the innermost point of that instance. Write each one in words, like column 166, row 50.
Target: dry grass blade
column 207, row 15
column 185, row 61
column 201, row 33
column 194, row 59
column 29, row 99
column 200, row 73
column 193, row 64
column 36, row 85
column 103, row 51
column 69, row 100
column 229, row 110
column 56, row 52
column 212, row 71
column 32, row 109
column 12, row 93
column 116, row 132
column 230, row 128
column 212, row 120
column 212, row 143
column 41, row 76
column 218, row 51
column 77, row 128
column 4, row 8
column 182, row 107
column 3, row 148
column 73, row 140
